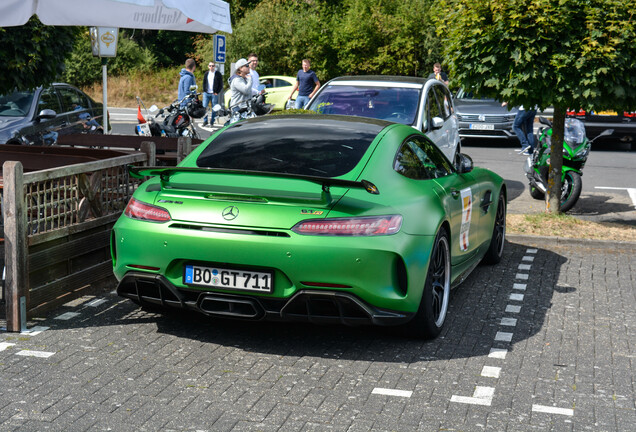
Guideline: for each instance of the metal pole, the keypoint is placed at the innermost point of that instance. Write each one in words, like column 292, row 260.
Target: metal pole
column 105, row 94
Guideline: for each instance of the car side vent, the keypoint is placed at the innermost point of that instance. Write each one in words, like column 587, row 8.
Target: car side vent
column 237, row 231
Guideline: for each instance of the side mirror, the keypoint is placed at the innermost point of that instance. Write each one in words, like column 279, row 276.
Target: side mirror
column 464, row 164
column 46, row 114
column 437, row 123
column 153, row 109
column 216, row 108
column 194, row 88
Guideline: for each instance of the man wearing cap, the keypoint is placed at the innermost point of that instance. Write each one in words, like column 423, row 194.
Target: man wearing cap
column 212, row 86
column 241, row 84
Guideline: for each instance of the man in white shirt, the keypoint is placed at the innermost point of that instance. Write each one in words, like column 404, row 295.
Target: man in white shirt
column 252, row 60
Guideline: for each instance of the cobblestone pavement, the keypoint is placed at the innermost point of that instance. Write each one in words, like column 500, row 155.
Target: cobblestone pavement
column 544, row 341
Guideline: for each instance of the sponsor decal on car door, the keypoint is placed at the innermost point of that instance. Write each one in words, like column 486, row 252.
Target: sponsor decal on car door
column 467, row 204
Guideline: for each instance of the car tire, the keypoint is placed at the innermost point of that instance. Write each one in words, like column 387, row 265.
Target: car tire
column 431, row 314
column 536, row 193
column 498, row 239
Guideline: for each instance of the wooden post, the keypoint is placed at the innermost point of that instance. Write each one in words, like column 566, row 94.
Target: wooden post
column 150, row 149
column 16, row 247
column 184, row 147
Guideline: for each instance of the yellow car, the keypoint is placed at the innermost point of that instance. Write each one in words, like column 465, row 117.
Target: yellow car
column 277, row 89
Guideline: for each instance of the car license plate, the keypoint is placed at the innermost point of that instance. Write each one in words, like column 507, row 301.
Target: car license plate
column 481, row 126
column 217, row 277
column 143, row 129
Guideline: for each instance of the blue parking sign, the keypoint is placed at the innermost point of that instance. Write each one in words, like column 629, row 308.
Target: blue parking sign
column 219, row 48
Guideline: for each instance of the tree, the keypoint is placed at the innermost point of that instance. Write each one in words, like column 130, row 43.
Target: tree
column 33, row 54
column 339, row 37
column 577, row 54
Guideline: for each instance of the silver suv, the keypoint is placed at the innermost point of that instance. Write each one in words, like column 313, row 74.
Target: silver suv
column 424, row 104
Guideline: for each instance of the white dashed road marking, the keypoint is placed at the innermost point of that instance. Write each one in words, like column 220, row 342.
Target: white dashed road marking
column 630, row 191
column 34, row 331
column 481, row 396
column 96, row 302
column 29, row 353
column 5, row 345
column 498, row 353
column 516, row 297
column 392, row 392
column 490, row 371
column 67, row 316
column 513, row 309
column 552, row 410
column 503, row 337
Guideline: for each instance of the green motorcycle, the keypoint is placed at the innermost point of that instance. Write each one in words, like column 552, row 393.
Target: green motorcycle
column 576, row 149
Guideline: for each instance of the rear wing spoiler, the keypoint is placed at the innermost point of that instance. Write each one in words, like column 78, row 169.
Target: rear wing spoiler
column 325, row 182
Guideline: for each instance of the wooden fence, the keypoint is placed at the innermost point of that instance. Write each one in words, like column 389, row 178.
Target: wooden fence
column 57, row 225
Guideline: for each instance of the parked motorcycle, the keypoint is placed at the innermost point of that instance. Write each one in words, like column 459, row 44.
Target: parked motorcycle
column 173, row 121
column 576, row 149
column 256, row 106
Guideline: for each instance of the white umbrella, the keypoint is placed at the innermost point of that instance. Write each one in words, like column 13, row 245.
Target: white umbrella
column 200, row 16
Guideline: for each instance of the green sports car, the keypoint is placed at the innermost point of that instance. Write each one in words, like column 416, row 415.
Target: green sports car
column 318, row 218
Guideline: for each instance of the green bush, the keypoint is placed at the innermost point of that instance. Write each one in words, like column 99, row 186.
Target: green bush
column 81, row 68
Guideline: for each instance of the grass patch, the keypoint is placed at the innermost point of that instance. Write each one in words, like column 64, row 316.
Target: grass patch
column 158, row 88
column 564, row 225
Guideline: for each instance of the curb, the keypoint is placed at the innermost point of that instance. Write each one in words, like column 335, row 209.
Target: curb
column 565, row 241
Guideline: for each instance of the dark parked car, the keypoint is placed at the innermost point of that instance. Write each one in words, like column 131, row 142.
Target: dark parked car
column 483, row 117
column 624, row 124
column 38, row 117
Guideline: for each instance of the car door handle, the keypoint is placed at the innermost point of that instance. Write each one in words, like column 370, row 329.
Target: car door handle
column 455, row 193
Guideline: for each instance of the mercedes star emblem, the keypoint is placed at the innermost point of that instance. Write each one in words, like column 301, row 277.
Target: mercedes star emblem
column 230, row 213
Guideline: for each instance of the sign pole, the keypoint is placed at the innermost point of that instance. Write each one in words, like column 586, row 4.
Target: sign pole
column 105, row 94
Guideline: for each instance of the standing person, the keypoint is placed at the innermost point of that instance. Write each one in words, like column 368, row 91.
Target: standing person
column 187, row 78
column 240, row 84
column 252, row 60
column 307, row 84
column 212, row 86
column 524, row 129
column 438, row 74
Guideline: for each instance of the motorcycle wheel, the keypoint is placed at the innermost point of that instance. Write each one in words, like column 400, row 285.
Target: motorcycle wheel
column 571, row 190
column 536, row 193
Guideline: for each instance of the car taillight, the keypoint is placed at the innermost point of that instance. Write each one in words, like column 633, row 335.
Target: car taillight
column 142, row 211
column 360, row 226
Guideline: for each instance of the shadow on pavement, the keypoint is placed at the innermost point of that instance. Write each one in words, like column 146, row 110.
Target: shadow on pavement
column 475, row 313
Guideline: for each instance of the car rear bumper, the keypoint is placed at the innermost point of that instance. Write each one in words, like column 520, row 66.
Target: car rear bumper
column 314, row 306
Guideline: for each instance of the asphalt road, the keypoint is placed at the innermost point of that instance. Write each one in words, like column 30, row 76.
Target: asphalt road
column 609, row 182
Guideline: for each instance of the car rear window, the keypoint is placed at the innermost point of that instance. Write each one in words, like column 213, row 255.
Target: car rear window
column 305, row 144
column 396, row 104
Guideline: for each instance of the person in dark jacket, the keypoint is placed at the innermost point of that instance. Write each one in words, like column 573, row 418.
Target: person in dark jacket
column 212, row 86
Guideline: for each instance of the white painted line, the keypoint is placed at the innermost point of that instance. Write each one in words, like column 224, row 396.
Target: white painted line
column 552, row 410
column 519, row 286
column 67, row 316
column 29, row 353
column 527, row 258
column 630, row 191
column 35, row 331
column 498, row 353
column 516, row 297
column 392, row 392
column 481, row 396
column 532, row 251
column 513, row 309
column 5, row 345
column 524, row 267
column 510, row 322
column 490, row 371
column 503, row 337
column 97, row 302
column 523, row 276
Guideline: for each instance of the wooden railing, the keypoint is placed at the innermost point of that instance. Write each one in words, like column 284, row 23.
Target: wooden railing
column 57, row 225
